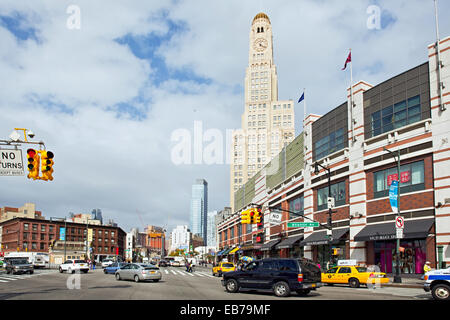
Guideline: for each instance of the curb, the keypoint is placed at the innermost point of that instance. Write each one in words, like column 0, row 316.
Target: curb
column 410, row 286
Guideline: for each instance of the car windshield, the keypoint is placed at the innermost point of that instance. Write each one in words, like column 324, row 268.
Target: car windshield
column 80, row 261
column 122, row 264
column 19, row 261
column 361, row 269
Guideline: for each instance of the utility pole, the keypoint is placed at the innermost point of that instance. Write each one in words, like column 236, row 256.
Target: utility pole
column 397, row 277
column 65, row 238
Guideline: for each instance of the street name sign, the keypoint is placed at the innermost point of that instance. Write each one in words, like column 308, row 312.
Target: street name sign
column 302, row 224
column 11, row 163
column 393, row 196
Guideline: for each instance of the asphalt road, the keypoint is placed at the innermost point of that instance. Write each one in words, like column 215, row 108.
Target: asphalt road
column 176, row 284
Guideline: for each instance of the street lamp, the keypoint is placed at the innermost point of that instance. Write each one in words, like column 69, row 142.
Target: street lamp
column 330, row 211
column 397, row 277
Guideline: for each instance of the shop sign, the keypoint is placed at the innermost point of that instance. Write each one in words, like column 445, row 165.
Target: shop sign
column 405, row 176
column 382, row 237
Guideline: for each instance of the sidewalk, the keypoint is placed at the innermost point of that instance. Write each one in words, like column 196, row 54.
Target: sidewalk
column 408, row 281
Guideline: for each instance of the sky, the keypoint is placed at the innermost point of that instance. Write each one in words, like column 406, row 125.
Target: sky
column 113, row 87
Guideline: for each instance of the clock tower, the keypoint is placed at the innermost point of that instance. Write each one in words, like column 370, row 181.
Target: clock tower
column 267, row 124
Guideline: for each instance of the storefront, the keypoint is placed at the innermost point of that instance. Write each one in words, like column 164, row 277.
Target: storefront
column 383, row 248
column 323, row 248
column 269, row 250
column 292, row 246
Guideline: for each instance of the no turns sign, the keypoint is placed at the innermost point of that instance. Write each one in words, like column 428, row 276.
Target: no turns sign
column 11, row 163
column 399, row 222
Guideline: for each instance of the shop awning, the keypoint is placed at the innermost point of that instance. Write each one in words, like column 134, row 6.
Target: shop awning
column 386, row 231
column 247, row 247
column 318, row 238
column 269, row 245
column 226, row 251
column 221, row 252
column 234, row 250
column 289, row 242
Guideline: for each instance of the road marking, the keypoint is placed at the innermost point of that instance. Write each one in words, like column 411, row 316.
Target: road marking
column 208, row 275
column 173, row 272
column 189, row 273
column 183, row 274
column 3, row 281
column 199, row 274
column 8, row 279
column 167, row 272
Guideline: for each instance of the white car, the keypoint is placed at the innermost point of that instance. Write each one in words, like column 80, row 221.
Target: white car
column 107, row 263
column 74, row 265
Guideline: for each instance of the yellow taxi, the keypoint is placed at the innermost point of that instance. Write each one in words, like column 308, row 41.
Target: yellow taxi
column 223, row 267
column 353, row 275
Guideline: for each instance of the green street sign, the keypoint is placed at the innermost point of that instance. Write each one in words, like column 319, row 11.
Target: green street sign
column 302, row 224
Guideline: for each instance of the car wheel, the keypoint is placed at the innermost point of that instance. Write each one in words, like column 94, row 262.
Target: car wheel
column 31, row 271
column 136, row 278
column 303, row 292
column 117, row 276
column 330, row 284
column 85, row 271
column 155, row 280
column 353, row 282
column 281, row 289
column 104, row 271
column 213, row 274
column 232, row 286
column 60, row 270
column 220, row 273
column 441, row 292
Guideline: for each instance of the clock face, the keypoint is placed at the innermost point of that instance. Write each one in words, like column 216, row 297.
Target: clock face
column 260, row 44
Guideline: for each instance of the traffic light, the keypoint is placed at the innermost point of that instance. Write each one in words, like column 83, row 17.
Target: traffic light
column 33, row 164
column 336, row 251
column 258, row 215
column 245, row 217
column 47, row 165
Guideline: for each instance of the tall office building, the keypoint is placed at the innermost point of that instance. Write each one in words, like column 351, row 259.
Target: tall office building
column 211, row 229
column 267, row 124
column 97, row 215
column 199, row 208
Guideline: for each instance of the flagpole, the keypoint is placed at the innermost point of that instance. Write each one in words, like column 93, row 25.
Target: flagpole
column 304, row 107
column 351, row 97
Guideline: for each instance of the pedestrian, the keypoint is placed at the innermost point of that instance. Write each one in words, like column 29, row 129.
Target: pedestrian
column 319, row 266
column 186, row 263
column 426, row 268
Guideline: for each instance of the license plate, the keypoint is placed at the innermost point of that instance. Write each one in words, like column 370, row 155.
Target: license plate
column 152, row 271
column 313, row 286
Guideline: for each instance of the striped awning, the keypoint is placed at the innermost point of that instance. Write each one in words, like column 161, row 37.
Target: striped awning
column 233, row 251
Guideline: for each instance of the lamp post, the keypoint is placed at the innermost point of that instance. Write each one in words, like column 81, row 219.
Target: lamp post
column 65, row 237
column 330, row 211
column 397, row 277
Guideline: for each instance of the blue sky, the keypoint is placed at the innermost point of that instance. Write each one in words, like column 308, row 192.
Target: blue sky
column 133, row 74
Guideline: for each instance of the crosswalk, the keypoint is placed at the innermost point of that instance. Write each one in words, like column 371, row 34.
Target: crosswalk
column 4, row 277
column 186, row 274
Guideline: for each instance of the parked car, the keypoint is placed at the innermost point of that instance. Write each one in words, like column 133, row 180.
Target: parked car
column 223, row 267
column 175, row 264
column 73, row 265
column 114, row 267
column 280, row 275
column 163, row 263
column 353, row 276
column 438, row 282
column 17, row 266
column 107, row 263
column 139, row 272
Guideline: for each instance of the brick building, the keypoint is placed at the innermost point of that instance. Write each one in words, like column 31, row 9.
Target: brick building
column 36, row 235
column 407, row 113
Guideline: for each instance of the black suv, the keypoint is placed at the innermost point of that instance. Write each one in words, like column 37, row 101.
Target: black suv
column 281, row 275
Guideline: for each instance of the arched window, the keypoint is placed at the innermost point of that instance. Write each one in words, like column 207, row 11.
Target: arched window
column 262, row 29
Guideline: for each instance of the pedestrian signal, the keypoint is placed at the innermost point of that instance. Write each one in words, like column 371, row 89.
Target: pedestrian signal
column 33, row 164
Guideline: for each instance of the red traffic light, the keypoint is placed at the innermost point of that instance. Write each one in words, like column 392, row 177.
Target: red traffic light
column 31, row 153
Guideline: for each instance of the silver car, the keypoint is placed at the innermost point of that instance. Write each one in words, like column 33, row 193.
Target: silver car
column 139, row 272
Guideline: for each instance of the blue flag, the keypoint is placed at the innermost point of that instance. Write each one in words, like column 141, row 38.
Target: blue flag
column 302, row 97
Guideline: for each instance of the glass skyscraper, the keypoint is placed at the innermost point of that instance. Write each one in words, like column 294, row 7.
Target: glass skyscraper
column 199, row 208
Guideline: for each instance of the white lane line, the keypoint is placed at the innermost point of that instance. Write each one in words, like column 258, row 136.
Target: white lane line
column 3, row 281
column 183, row 274
column 17, row 277
column 173, row 272
column 167, row 272
column 199, row 274
column 188, row 273
column 8, row 279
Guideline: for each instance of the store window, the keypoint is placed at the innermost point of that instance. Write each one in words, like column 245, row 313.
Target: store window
column 411, row 179
column 337, row 192
column 296, row 207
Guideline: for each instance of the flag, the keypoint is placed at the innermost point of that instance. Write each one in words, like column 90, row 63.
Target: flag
column 302, row 97
column 349, row 59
